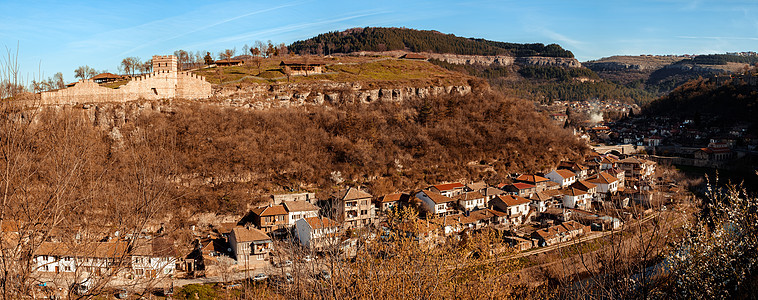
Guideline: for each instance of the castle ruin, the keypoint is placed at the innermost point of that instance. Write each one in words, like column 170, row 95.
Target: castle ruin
column 164, row 82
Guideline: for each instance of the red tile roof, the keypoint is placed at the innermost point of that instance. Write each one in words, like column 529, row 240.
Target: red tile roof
column 512, row 200
column 270, row 210
column 565, row 173
column 603, row 178
column 448, row 186
column 321, row 222
column 531, row 178
column 523, row 186
column 437, row 198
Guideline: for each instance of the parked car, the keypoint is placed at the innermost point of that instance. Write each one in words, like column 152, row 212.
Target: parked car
column 260, row 277
column 285, row 263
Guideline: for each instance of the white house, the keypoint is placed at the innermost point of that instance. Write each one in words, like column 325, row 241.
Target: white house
column 575, row 198
column 436, row 203
column 605, row 182
column 563, row 178
column 317, row 232
column 515, row 207
column 471, row 200
column 156, row 258
column 299, row 210
column 448, row 189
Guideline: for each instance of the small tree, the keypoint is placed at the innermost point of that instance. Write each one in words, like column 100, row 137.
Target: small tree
column 208, row 59
column 84, row 72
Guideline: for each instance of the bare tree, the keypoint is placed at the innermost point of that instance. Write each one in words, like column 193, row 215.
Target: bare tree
column 130, row 65
column 84, row 72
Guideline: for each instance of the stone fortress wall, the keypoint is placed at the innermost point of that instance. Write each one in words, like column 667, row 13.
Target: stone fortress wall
column 164, row 83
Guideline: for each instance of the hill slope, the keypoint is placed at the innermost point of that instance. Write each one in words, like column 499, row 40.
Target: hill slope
column 388, row 39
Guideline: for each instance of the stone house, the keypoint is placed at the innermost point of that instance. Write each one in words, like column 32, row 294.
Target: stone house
column 538, row 181
column 154, row 258
column 271, row 219
column 304, row 66
column 576, row 168
column 566, row 231
column 522, row 189
column 352, row 207
column 605, row 182
column 249, row 246
column 575, row 198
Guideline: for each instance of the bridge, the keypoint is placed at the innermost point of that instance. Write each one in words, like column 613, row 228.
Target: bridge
column 620, row 149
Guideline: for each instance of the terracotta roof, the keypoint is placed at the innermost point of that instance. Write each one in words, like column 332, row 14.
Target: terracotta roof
column 541, row 196
column 565, row 173
column 96, row 249
column 106, row 76
column 351, row 194
column 321, row 222
column 531, row 178
column 413, row 56
column 572, row 192
column 583, row 185
column 448, row 186
column 486, row 214
column 243, row 234
column 571, row 165
column 270, row 210
column 523, row 186
column 475, row 186
column 608, row 160
column 512, row 200
column 554, row 230
column 603, row 178
column 157, row 247
column 293, row 206
column 469, row 196
column 437, row 198
column 394, row 197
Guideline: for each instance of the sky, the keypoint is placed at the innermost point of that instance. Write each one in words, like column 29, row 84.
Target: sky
column 58, row 36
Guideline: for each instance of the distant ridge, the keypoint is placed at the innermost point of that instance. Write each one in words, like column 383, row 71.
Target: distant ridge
column 388, row 39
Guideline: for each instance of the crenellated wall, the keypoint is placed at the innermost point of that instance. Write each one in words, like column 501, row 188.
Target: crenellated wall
column 157, row 85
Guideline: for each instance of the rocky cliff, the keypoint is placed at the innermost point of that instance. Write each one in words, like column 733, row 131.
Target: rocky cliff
column 262, row 96
column 501, row 60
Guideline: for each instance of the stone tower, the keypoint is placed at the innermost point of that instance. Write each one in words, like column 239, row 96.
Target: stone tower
column 164, row 63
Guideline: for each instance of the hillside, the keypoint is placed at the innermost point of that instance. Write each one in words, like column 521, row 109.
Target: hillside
column 711, row 103
column 388, row 39
column 661, row 74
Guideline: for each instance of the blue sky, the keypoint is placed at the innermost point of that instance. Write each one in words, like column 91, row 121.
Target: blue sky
column 56, row 36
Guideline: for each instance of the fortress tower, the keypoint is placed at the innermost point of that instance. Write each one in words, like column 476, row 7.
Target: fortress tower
column 164, row 63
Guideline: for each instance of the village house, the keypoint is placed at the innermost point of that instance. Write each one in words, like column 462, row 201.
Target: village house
column 271, row 219
column 487, row 217
column 436, row 203
column 566, row 231
column 515, row 207
column 520, row 189
column 388, row 202
column 448, row 189
column 478, row 186
column 318, row 232
column 714, row 152
column 563, row 178
column 637, row 168
column 297, row 210
column 97, row 258
column 469, row 201
column 304, row 66
column 154, row 258
column 541, row 201
column 579, row 170
column 605, row 182
column 490, row 193
column 538, row 181
column 352, row 207
column 575, row 198
column 608, row 162
column 250, row 246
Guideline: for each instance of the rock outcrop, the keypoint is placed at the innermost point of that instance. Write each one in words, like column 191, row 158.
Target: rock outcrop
column 502, row 60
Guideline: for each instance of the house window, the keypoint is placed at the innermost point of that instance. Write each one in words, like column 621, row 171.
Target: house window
column 364, row 212
column 139, row 272
column 154, row 90
column 67, row 268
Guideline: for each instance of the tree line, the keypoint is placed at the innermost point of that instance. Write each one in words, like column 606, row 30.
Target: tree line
column 387, row 39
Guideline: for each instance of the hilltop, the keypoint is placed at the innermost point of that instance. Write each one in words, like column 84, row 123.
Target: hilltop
column 388, row 39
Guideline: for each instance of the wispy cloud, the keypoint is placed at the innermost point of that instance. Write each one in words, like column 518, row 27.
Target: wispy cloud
column 561, row 38
column 209, row 26
column 281, row 29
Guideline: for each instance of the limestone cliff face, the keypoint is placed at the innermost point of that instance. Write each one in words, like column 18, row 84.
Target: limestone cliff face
column 502, row 60
column 618, row 66
column 296, row 94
